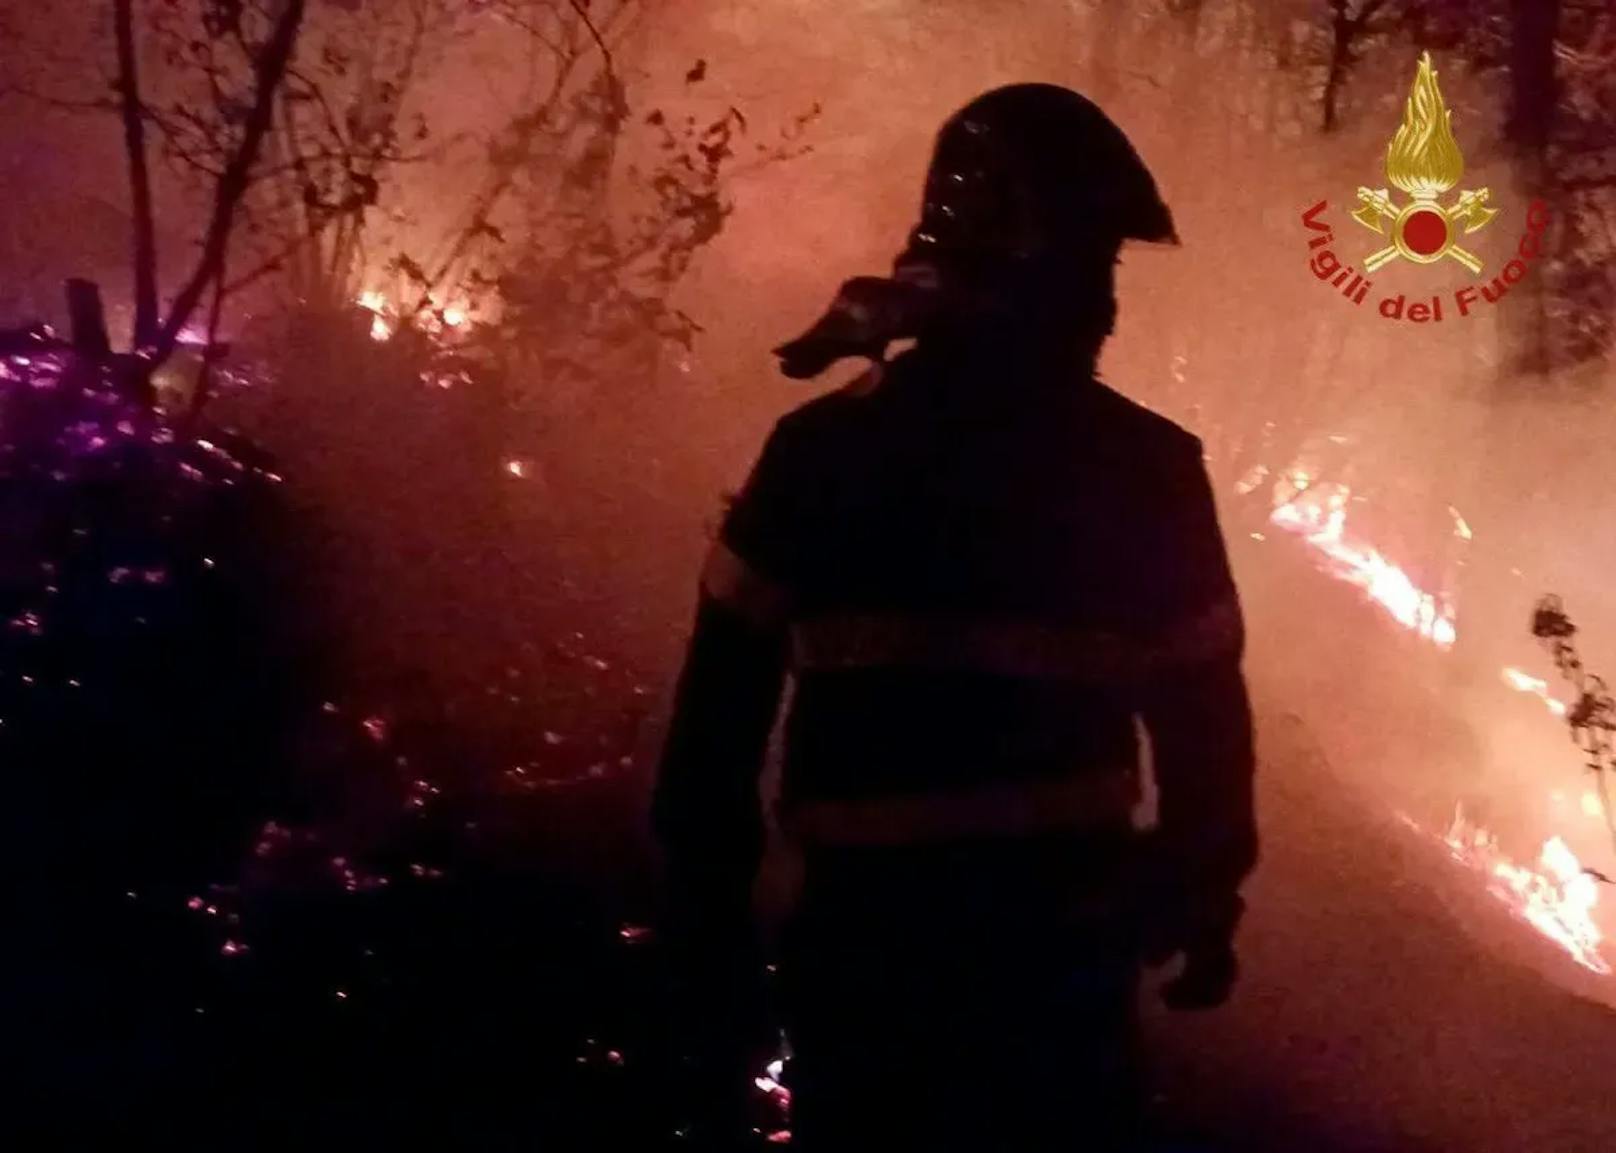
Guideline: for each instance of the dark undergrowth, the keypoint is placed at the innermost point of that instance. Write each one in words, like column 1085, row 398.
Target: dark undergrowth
column 254, row 899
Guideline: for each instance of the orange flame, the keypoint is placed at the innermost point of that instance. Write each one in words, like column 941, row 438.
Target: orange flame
column 375, row 303
column 1557, row 898
column 1318, row 512
column 1535, row 686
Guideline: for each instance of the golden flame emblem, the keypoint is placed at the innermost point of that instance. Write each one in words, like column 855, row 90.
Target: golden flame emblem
column 1424, row 161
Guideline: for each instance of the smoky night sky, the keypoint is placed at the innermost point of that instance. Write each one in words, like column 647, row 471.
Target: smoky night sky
column 374, row 375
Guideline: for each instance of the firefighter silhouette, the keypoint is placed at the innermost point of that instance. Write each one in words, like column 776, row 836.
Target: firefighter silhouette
column 986, row 573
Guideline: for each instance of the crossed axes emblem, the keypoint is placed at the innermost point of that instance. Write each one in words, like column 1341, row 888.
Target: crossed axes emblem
column 1432, row 224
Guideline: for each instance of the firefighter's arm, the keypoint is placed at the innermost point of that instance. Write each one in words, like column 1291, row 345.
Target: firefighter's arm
column 706, row 811
column 707, row 818
column 1203, row 759
column 1198, row 715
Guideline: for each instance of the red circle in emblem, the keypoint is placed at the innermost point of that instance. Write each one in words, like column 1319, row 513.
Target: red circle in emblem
column 1425, row 232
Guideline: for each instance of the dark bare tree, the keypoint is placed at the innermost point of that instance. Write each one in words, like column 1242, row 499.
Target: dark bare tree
column 271, row 64
column 156, row 334
column 143, row 221
column 1351, row 24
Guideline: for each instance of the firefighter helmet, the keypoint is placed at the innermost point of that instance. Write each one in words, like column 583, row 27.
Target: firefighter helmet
column 1035, row 170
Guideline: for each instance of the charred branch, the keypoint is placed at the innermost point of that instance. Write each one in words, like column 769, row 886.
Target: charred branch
column 87, row 319
column 1347, row 28
column 1592, row 715
column 269, row 72
column 144, row 254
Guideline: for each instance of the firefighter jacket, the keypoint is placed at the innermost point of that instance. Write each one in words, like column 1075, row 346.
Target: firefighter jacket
column 980, row 574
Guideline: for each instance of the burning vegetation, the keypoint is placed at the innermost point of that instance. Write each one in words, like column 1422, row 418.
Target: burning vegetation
column 344, row 511
column 1557, row 894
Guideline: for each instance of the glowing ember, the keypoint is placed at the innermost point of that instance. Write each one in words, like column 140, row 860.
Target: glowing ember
column 1557, row 897
column 1318, row 513
column 1536, row 686
column 1252, row 480
column 517, row 468
column 770, row 1083
column 1588, row 803
column 376, row 304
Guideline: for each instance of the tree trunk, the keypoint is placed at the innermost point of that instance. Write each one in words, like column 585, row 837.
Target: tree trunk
column 88, row 320
column 140, row 196
column 1341, row 32
column 234, row 182
column 203, row 391
column 1534, row 98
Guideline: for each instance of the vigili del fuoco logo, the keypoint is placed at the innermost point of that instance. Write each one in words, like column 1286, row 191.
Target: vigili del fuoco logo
column 1423, row 162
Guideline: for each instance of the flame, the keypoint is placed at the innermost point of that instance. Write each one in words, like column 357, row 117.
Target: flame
column 1588, row 803
column 1557, row 898
column 1252, row 480
column 428, row 318
column 1424, row 158
column 376, row 303
column 771, row 1086
column 770, row 1083
column 1536, row 686
column 1318, row 512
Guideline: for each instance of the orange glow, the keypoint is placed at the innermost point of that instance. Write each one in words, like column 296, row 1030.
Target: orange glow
column 1536, row 686
column 375, row 303
column 770, row 1083
column 1556, row 897
column 1318, row 513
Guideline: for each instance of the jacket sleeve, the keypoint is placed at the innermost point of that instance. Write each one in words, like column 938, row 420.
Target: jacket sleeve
column 706, row 811
column 1198, row 715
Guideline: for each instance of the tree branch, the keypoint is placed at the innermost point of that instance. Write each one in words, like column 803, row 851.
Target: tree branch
column 270, row 70
column 582, row 11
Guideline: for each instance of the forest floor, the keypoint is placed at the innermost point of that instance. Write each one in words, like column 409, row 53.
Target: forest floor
column 254, row 909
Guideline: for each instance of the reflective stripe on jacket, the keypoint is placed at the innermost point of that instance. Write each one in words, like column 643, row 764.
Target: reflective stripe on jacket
column 977, row 588
column 1092, row 800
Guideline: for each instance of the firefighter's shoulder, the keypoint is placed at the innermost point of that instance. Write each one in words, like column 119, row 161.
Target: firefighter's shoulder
column 841, row 404
column 1143, row 429
column 818, row 424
